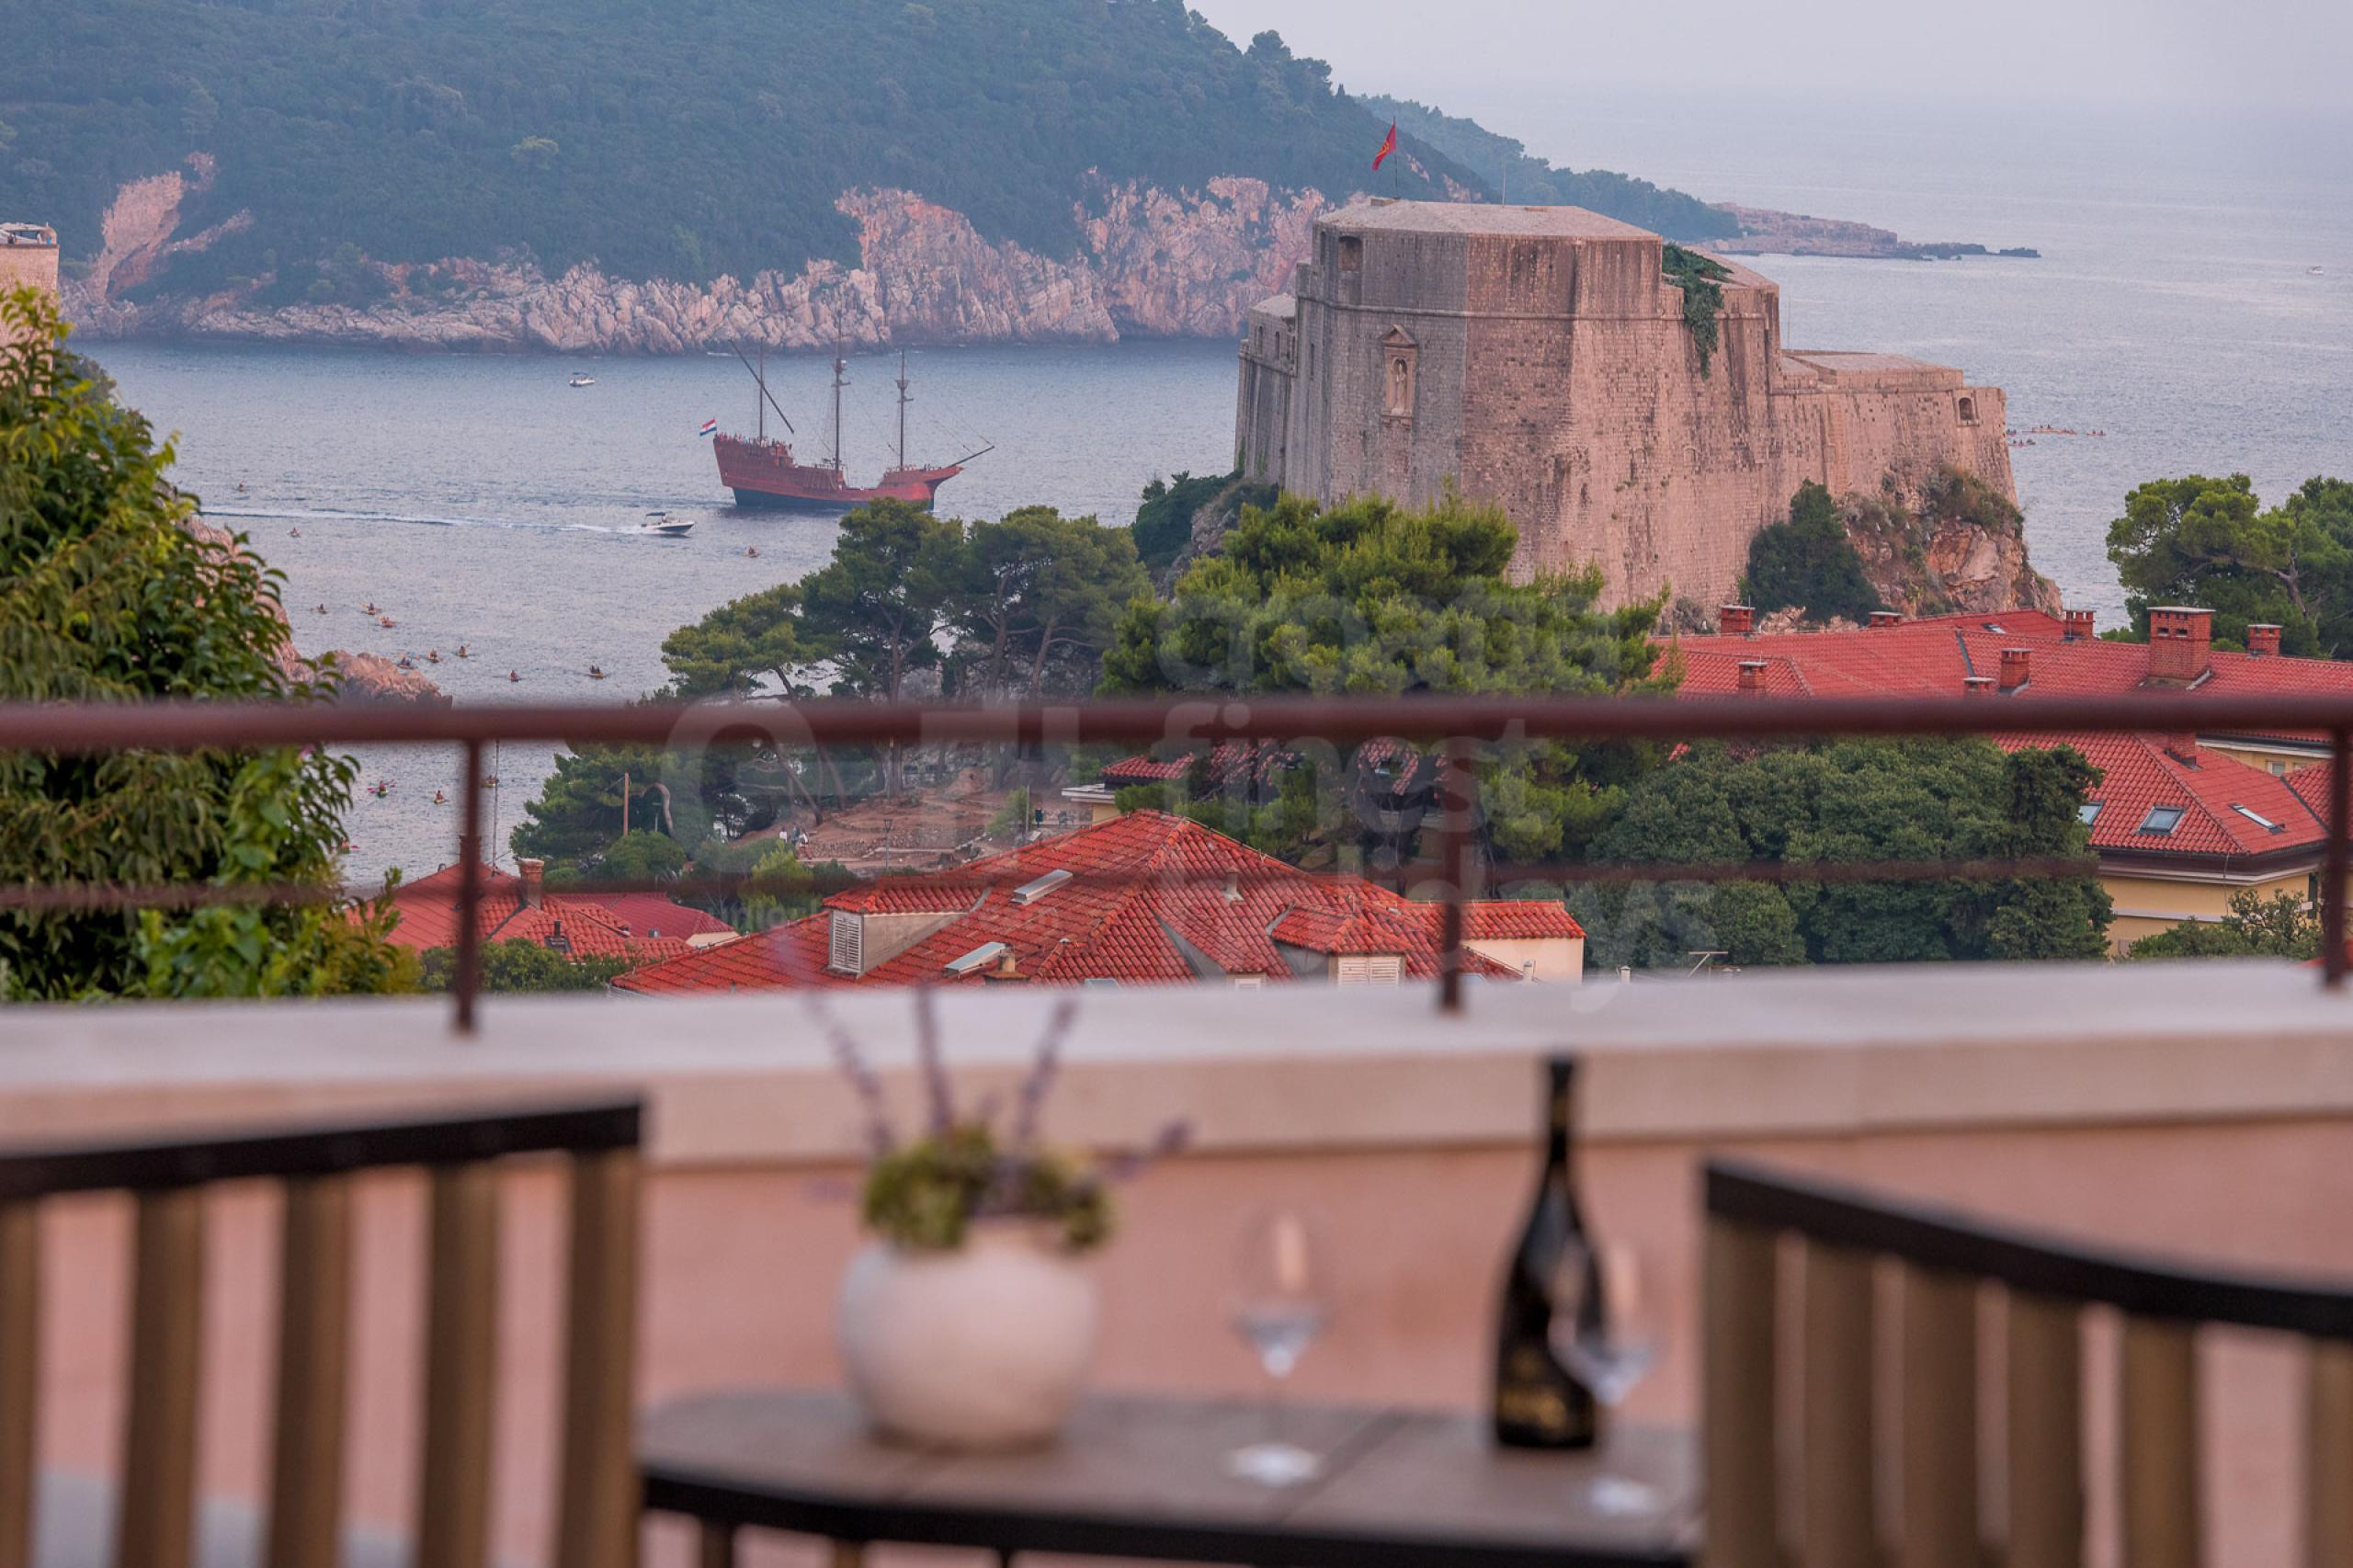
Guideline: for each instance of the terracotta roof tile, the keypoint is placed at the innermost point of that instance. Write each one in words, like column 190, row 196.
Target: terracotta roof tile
column 1153, row 898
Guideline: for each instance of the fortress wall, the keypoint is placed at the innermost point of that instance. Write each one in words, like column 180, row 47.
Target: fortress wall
column 1911, row 433
column 1670, row 471
column 28, row 262
column 1551, row 372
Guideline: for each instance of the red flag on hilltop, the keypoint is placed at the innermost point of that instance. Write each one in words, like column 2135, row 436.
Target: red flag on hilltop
column 1387, row 144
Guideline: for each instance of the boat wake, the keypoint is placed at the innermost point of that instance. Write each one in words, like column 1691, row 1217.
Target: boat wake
column 296, row 514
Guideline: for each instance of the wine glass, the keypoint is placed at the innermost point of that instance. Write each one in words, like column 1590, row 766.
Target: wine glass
column 1278, row 1306
column 1607, row 1330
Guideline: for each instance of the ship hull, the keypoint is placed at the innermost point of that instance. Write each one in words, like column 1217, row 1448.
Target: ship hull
column 763, row 474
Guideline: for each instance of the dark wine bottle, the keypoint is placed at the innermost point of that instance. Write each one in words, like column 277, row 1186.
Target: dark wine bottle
column 1538, row 1404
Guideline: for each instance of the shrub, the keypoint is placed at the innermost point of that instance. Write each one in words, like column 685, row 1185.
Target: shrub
column 1809, row 561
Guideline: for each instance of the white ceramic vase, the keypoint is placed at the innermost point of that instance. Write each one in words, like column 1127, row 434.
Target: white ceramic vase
column 982, row 1347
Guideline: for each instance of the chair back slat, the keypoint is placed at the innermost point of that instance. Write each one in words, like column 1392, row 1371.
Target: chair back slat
column 19, row 1376
column 1937, row 1514
column 1840, row 1528
column 1737, row 1394
column 1939, row 1445
column 313, row 1354
column 157, row 1518
column 315, row 1165
column 2043, row 1451
column 2328, row 1457
column 2158, row 1422
column 597, row 1490
column 460, row 1364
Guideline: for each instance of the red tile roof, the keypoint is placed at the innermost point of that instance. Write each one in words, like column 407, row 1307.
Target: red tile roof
column 2140, row 771
column 1152, row 898
column 1930, row 657
column 643, row 925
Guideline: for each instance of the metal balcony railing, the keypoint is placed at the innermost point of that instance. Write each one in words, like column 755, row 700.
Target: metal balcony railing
column 1456, row 726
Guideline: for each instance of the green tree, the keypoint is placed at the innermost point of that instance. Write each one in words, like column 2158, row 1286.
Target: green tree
column 1370, row 597
column 1034, row 601
column 2198, row 540
column 1848, row 800
column 878, row 602
column 577, row 813
column 1809, row 561
column 523, row 965
column 108, row 596
column 2284, row 926
column 754, row 645
column 1164, row 524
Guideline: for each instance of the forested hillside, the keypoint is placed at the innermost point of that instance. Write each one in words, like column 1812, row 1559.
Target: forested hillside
column 1502, row 166
column 675, row 139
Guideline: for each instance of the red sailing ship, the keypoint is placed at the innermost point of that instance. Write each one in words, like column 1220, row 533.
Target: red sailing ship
column 762, row 472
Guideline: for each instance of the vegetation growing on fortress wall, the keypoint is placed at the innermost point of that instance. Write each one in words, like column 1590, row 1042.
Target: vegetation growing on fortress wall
column 1701, row 278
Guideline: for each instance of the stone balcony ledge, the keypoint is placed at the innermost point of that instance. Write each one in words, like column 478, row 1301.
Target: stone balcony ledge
column 750, row 1078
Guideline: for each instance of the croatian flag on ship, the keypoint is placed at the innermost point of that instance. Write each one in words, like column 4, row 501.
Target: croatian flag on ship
column 709, row 427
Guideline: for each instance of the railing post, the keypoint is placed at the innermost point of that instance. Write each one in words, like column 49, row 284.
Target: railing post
column 2332, row 874
column 468, row 979
column 1457, row 802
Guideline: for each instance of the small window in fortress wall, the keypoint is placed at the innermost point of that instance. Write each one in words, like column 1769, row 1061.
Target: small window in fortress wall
column 1969, row 411
column 1351, row 253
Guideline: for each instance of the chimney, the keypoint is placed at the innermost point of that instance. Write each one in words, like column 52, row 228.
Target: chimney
column 2263, row 640
column 1008, row 972
column 2014, row 668
column 1735, row 620
column 1976, row 686
column 533, row 878
column 2180, row 637
column 1886, row 618
column 2182, row 745
column 1752, row 677
column 2077, row 625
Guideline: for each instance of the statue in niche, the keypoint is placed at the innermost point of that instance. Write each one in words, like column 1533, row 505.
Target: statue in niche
column 1400, row 388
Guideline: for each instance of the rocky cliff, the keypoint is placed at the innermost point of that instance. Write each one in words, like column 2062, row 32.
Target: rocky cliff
column 1958, row 545
column 1151, row 263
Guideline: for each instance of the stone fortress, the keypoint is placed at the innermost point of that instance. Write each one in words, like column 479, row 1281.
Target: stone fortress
column 27, row 255
column 1538, row 358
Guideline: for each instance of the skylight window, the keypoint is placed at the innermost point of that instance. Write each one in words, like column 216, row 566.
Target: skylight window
column 1032, row 891
column 2259, row 820
column 984, row 954
column 1996, row 628
column 2088, row 812
column 2163, row 819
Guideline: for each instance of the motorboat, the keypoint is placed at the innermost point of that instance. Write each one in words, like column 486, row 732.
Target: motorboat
column 664, row 525
column 582, row 379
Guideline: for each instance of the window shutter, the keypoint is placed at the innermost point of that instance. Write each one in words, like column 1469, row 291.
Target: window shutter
column 847, row 950
column 1376, row 970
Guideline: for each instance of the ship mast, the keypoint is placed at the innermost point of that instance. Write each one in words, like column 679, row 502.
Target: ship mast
column 840, row 365
column 903, row 408
column 760, row 393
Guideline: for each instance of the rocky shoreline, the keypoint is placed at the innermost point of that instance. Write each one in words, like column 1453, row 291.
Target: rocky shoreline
column 1150, row 263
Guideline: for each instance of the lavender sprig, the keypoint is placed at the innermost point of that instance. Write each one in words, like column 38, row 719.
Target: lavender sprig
column 937, row 1090
column 1174, row 1137
column 1030, row 1105
column 850, row 1057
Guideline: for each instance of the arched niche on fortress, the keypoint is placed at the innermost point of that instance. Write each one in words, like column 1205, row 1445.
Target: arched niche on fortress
column 1398, row 354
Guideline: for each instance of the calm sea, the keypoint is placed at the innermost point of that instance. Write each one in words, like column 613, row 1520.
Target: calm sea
column 482, row 501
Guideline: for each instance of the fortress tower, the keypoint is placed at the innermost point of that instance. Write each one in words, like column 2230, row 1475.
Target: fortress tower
column 27, row 255
column 1537, row 358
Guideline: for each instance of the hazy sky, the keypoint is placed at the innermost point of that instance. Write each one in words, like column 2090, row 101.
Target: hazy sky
column 2170, row 51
